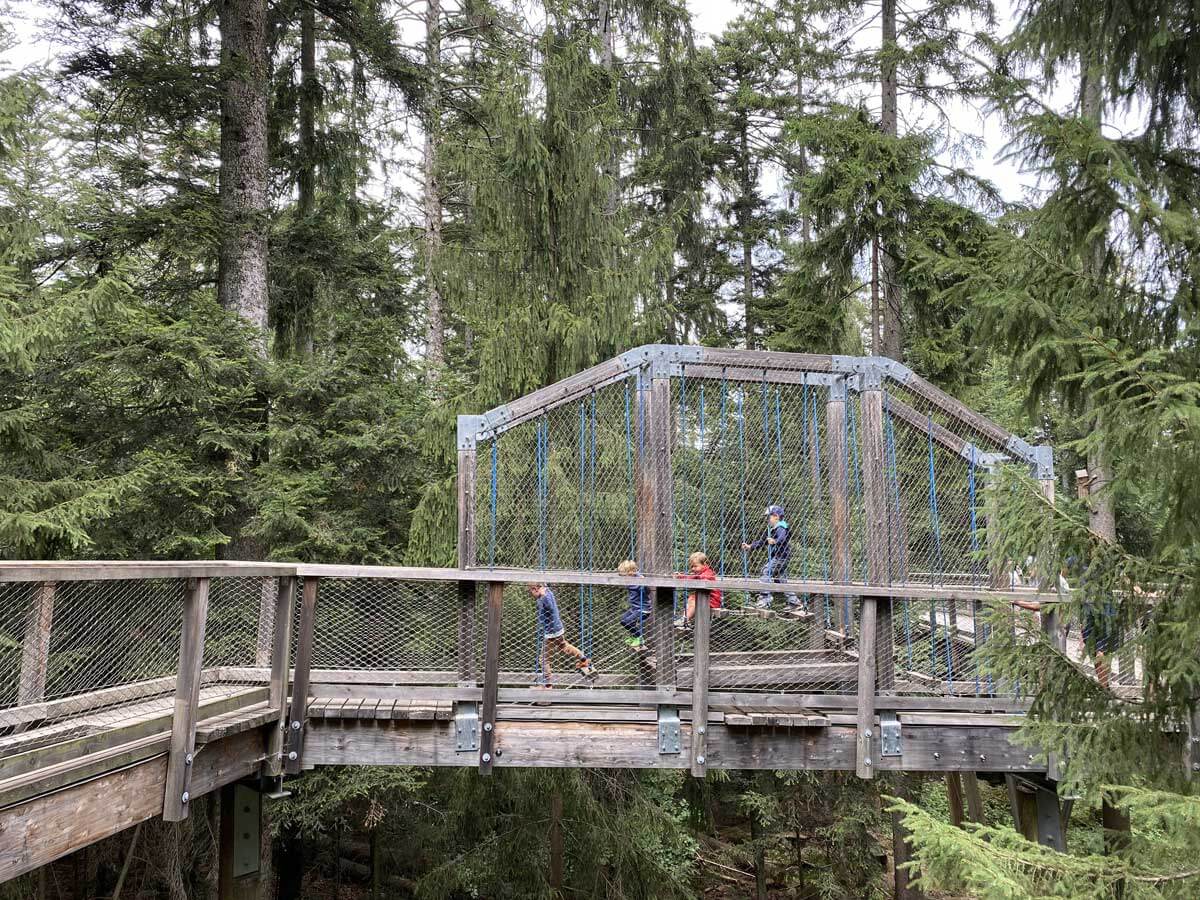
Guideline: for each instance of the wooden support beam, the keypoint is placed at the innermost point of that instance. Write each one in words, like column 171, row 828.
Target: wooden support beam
column 700, row 642
column 876, row 671
column 491, row 677
column 35, row 644
column 974, row 800
column 281, row 649
column 300, row 677
column 466, row 633
column 839, row 496
column 864, row 759
column 466, row 508
column 187, row 701
column 954, row 794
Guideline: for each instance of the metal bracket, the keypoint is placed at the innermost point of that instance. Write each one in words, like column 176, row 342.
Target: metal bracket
column 466, row 727
column 1044, row 456
column 247, row 828
column 889, row 734
column 469, row 429
column 669, row 740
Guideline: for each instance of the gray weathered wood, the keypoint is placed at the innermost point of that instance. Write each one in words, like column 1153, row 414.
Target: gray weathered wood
column 35, row 644
column 108, row 570
column 865, row 761
column 187, row 701
column 281, row 649
column 700, row 641
column 839, row 498
column 764, row 359
column 466, row 508
column 267, row 601
column 957, row 410
column 874, row 632
column 491, row 677
column 300, row 678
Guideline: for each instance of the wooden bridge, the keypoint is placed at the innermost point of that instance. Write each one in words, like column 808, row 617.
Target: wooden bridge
column 129, row 688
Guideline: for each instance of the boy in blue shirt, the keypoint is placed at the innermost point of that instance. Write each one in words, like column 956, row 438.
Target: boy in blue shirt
column 633, row 619
column 555, row 635
column 779, row 552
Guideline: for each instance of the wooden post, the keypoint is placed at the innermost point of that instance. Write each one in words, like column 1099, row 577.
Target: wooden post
column 1024, row 809
column 264, row 643
column 304, row 652
column 466, row 507
column 281, row 649
column 903, row 888
column 491, row 677
column 974, row 801
column 35, row 645
column 466, row 634
column 239, row 852
column 954, row 795
column 839, row 497
column 700, row 643
column 187, row 701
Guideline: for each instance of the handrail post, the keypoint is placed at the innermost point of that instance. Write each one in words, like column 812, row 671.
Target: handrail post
column 281, row 649
column 466, row 633
column 839, row 500
column 466, row 498
column 700, row 641
column 35, row 645
column 491, row 677
column 187, row 701
column 875, row 627
column 304, row 651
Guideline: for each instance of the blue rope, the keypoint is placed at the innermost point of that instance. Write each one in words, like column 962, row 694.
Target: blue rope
column 933, row 507
column 703, row 510
column 683, row 521
column 816, row 448
column 741, row 417
column 586, row 636
column 543, row 488
column 582, row 456
column 779, row 447
column 492, row 495
column 855, row 467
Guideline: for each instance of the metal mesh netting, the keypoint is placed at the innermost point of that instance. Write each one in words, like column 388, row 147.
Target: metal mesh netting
column 560, row 490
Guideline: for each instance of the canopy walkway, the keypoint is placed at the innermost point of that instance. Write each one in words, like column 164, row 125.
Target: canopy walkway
column 129, row 688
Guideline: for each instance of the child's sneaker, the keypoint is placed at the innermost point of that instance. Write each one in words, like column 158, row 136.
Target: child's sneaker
column 586, row 669
column 682, row 624
column 762, row 603
column 635, row 643
column 798, row 610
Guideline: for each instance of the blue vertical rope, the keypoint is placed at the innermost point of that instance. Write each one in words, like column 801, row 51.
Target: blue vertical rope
column 703, row 510
column 724, row 442
column 852, row 454
column 778, row 448
column 543, row 488
column 741, row 417
column 630, row 503
column 766, row 414
column 933, row 508
column 683, row 484
column 587, row 640
column 581, row 558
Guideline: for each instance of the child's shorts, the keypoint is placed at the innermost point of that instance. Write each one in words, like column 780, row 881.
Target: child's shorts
column 556, row 636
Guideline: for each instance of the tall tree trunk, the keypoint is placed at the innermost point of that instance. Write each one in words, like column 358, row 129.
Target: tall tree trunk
column 744, row 210
column 876, row 345
column 893, row 329
column 242, row 262
column 802, row 153
column 608, row 46
column 306, row 288
column 436, row 336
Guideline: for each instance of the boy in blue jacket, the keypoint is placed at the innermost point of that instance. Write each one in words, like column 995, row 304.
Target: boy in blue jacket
column 633, row 619
column 555, row 635
column 779, row 552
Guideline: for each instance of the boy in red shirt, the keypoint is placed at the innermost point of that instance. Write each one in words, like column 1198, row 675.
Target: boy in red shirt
column 701, row 570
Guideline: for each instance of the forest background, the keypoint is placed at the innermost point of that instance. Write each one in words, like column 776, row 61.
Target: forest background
column 255, row 257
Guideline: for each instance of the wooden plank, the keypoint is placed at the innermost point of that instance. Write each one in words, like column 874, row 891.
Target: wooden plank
column 527, row 743
column 466, row 632
column 187, row 701
column 700, row 640
column 865, row 762
column 300, row 678
column 764, row 359
column 281, row 649
column 35, row 644
column 235, row 723
column 941, row 436
column 109, row 570
column 82, row 703
column 515, row 411
column 794, row 676
column 491, row 673
column 939, row 399
column 65, row 741
column 48, row 827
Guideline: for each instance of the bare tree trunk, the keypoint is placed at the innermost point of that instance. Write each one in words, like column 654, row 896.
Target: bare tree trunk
column 802, row 158
column 306, row 288
column 744, row 203
column 893, row 328
column 875, row 316
column 608, row 47
column 242, row 262
column 435, row 351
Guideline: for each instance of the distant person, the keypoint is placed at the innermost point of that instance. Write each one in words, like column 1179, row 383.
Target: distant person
column 634, row 618
column 555, row 635
column 698, row 568
column 777, row 540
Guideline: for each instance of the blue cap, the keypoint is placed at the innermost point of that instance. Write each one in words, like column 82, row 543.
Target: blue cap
column 774, row 510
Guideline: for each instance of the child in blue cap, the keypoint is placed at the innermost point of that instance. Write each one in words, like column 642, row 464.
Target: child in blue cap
column 779, row 552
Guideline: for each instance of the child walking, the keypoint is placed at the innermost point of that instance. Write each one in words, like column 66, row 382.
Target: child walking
column 555, row 635
column 633, row 619
column 779, row 552
column 699, row 569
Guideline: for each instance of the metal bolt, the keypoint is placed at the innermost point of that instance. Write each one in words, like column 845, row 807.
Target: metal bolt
column 295, row 726
column 700, row 729
column 700, row 760
column 982, row 758
column 867, row 761
column 487, row 757
column 487, row 726
column 292, row 756
column 867, row 732
column 1031, row 757
column 186, row 797
column 937, row 756
column 1196, row 767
